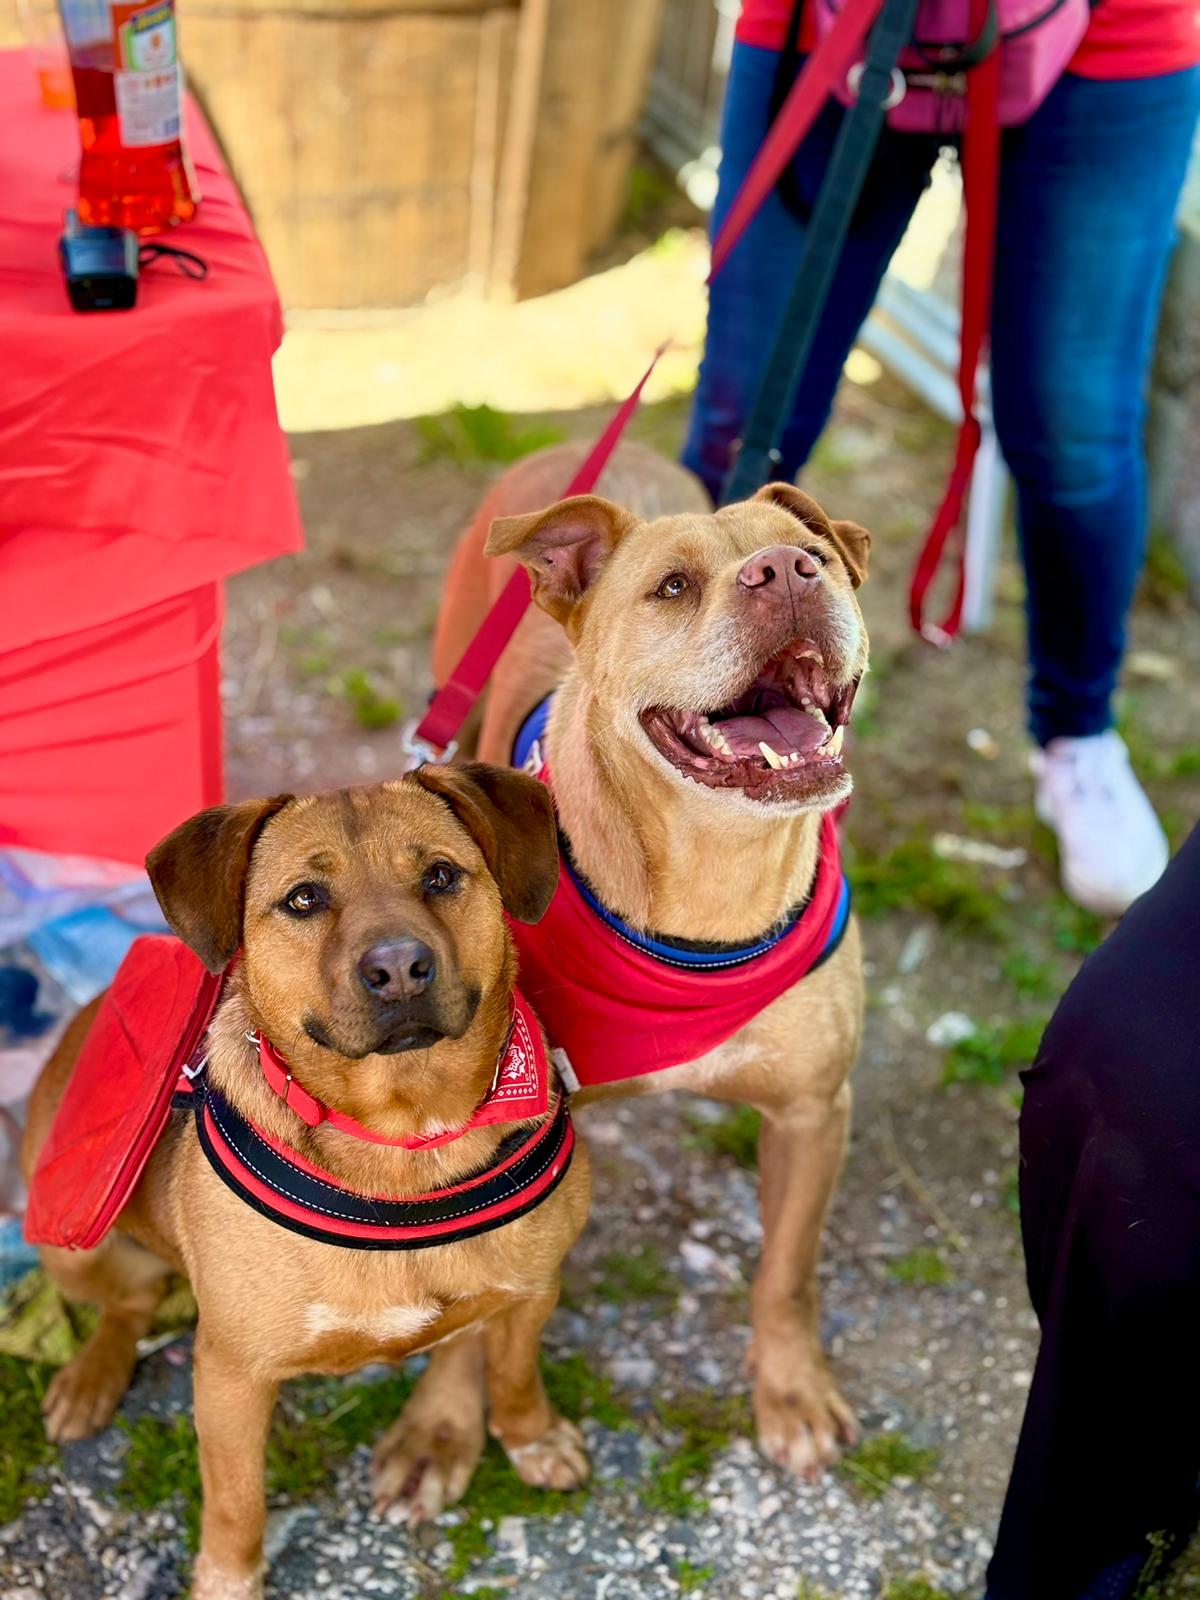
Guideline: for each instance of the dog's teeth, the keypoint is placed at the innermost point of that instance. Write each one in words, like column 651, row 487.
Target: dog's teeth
column 806, row 701
column 716, row 738
column 811, row 655
column 833, row 745
column 772, row 759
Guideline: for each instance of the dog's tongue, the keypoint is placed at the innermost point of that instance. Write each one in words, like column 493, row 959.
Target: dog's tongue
column 786, row 729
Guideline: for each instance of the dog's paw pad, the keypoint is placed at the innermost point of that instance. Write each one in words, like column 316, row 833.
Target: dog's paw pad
column 419, row 1469
column 558, row 1460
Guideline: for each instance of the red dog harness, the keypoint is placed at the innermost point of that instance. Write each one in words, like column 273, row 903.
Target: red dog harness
column 144, row 1055
column 621, row 1003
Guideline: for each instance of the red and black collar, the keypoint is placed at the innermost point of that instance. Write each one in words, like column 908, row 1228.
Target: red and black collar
column 279, row 1182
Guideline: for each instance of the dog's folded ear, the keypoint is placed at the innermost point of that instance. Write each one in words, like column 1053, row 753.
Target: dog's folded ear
column 199, row 875
column 562, row 548
column 853, row 543
column 511, row 819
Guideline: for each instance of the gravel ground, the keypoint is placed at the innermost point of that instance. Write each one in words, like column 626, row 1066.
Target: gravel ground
column 924, row 1303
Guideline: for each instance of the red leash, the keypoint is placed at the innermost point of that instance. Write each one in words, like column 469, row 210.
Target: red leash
column 434, row 736
column 981, row 183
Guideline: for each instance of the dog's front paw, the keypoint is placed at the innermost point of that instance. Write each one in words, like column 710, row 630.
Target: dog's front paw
column 421, row 1466
column 211, row 1581
column 558, row 1460
column 803, row 1424
column 81, row 1398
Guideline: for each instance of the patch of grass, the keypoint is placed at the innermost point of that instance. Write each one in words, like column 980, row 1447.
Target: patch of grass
column 989, row 1054
column 650, row 188
column 1074, row 929
column 371, row 707
column 924, row 1266
column 910, row 877
column 577, row 1390
column 734, row 1134
column 316, row 1425
column 1031, row 978
column 706, row 1423
column 690, row 1577
column 810, row 1591
column 481, row 433
column 497, row 1492
column 22, row 1386
column 636, row 1275
column 316, row 664
column 913, row 1589
column 1164, row 578
column 162, row 1462
column 882, row 1458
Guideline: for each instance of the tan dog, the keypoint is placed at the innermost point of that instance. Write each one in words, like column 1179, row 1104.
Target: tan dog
column 376, row 955
column 665, row 629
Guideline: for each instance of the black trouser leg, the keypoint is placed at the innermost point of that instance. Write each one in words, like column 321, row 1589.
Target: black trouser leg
column 1110, row 1207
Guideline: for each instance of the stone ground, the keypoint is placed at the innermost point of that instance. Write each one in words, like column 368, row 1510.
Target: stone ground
column 925, row 1309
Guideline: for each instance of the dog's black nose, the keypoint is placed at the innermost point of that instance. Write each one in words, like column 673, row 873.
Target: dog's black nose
column 399, row 969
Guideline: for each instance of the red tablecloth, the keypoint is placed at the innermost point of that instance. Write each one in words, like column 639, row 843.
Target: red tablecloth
column 140, row 452
column 141, row 462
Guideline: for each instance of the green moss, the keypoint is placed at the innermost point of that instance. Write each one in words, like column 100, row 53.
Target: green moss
column 637, row 1275
column 706, row 1423
column 650, row 190
column 371, row 707
column 810, row 1591
column 26, row 1448
column 989, row 1054
column 924, row 1266
column 578, row 1390
column 734, row 1134
column 913, row 1589
column 1074, row 929
column 497, row 1492
column 161, row 1465
column 317, row 1424
column 910, row 877
column 882, row 1458
column 690, row 1577
column 471, row 434
column 1032, row 978
column 1164, row 578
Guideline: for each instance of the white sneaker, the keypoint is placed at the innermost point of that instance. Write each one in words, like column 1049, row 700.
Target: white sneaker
column 1111, row 846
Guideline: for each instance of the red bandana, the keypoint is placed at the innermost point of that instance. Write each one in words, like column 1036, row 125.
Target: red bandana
column 519, row 1089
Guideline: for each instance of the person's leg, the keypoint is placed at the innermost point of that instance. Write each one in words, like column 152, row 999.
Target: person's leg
column 1110, row 1207
column 1089, row 189
column 748, row 296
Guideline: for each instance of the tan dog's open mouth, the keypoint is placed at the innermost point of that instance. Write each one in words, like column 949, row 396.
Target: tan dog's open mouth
column 780, row 739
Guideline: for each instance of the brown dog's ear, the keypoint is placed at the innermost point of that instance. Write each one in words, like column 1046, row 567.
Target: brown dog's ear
column 853, row 543
column 562, row 548
column 199, row 875
column 511, row 819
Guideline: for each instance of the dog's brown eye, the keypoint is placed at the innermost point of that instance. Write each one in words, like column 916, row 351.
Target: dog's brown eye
column 306, row 898
column 440, row 878
column 672, row 586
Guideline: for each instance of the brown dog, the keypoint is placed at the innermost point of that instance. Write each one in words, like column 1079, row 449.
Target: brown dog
column 681, row 644
column 376, row 956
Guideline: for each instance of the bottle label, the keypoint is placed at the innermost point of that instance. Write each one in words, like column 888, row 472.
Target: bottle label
column 148, row 79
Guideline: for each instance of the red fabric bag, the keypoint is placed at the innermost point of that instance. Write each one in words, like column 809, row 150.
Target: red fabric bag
column 119, row 1095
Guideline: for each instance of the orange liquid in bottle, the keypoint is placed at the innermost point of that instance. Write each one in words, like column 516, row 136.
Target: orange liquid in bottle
column 144, row 186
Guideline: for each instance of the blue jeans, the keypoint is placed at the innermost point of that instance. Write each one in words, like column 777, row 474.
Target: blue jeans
column 1089, row 188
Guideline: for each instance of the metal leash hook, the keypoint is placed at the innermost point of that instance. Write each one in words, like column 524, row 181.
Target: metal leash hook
column 419, row 752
